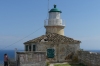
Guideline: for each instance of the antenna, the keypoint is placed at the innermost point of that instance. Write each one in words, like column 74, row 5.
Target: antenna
column 48, row 5
column 48, row 10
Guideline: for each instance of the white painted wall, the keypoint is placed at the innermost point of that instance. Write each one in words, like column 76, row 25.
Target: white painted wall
column 54, row 19
column 55, row 24
column 54, row 15
column 52, row 22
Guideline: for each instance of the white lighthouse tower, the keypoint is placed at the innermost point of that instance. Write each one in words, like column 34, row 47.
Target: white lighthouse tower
column 54, row 24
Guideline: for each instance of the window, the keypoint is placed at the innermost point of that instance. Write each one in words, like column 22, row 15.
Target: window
column 50, row 53
column 29, row 47
column 26, row 48
column 34, row 47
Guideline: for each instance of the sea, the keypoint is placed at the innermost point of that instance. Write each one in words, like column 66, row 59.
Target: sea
column 11, row 54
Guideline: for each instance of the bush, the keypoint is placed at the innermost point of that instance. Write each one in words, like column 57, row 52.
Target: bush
column 47, row 63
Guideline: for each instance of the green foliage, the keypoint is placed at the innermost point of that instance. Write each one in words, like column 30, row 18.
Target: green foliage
column 69, row 65
column 62, row 65
column 47, row 64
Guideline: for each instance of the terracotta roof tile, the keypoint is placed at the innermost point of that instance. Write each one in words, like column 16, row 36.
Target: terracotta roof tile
column 53, row 38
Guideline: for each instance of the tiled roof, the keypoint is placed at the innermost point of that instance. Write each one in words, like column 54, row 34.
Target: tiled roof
column 53, row 38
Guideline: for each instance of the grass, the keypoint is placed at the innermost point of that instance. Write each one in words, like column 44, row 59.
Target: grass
column 68, row 65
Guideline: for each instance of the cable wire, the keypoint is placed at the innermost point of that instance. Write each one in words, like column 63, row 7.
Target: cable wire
column 22, row 38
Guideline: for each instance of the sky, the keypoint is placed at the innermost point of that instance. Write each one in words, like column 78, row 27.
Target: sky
column 23, row 20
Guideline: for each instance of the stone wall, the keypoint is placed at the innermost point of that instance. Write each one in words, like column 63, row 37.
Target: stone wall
column 66, row 51
column 31, row 58
column 89, row 58
column 61, row 50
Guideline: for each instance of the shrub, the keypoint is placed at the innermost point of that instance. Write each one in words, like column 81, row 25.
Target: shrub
column 47, row 63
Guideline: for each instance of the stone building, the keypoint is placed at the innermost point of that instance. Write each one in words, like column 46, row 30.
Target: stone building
column 57, row 46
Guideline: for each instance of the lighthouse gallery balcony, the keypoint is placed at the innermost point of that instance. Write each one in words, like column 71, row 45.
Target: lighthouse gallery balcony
column 54, row 22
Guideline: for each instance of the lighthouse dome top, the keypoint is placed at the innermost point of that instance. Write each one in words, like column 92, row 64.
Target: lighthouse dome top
column 54, row 10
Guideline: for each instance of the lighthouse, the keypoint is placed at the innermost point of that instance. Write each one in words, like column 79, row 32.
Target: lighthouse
column 54, row 23
column 54, row 43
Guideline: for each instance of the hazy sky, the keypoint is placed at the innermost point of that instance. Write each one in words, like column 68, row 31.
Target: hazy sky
column 20, row 18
